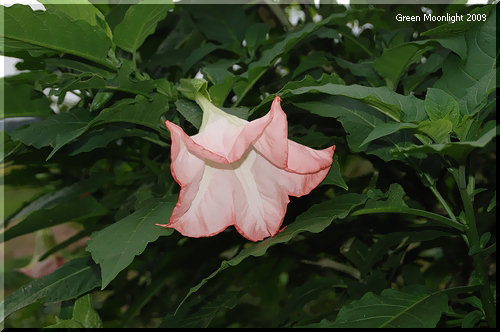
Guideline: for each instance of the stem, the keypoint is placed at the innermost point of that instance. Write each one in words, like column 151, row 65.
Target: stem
column 443, row 203
column 403, row 209
column 280, row 15
column 473, row 238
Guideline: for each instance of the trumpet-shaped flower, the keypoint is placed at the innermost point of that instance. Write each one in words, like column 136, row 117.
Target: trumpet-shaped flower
column 236, row 172
column 44, row 240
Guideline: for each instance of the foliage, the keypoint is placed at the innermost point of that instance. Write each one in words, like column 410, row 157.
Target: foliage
column 400, row 234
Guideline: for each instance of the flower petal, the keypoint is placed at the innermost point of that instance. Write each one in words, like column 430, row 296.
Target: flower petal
column 39, row 269
column 261, row 207
column 268, row 134
column 194, row 177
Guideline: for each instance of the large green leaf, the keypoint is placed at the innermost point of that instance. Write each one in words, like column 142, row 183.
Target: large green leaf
column 314, row 220
column 115, row 247
column 456, row 150
column 190, row 111
column 359, row 121
column 101, row 137
column 54, row 31
column 391, row 104
column 79, row 10
column 61, row 129
column 67, row 282
column 385, row 129
column 139, row 111
column 139, row 22
column 54, row 131
column 394, row 61
column 123, row 80
column 80, row 209
column 460, row 77
column 392, row 308
column 440, row 105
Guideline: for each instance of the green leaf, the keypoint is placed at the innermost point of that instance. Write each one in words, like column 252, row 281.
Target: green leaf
column 438, row 130
column 22, row 100
column 54, row 131
column 102, row 137
column 190, row 111
column 389, row 103
column 79, row 67
column 139, row 111
column 440, row 105
column 78, row 210
column 190, row 87
column 54, row 32
column 71, row 280
column 393, row 105
column 310, row 61
column 393, row 308
column 139, row 22
column 314, row 220
column 493, row 202
column 123, row 80
column 84, row 313
column 385, row 129
column 471, row 319
column 100, row 99
column 255, row 36
column 61, row 129
column 223, row 80
column 394, row 61
column 361, row 69
column 459, row 77
column 334, row 176
column 199, row 54
column 423, row 70
column 393, row 202
column 240, row 112
column 79, row 10
column 456, row 150
column 359, row 120
column 115, row 247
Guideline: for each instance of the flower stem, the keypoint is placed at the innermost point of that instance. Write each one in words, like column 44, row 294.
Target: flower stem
column 467, row 195
column 445, row 205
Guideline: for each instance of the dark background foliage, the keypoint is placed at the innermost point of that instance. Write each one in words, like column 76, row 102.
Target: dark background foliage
column 400, row 234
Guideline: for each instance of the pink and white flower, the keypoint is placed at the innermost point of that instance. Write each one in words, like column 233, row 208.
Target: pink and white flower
column 236, row 172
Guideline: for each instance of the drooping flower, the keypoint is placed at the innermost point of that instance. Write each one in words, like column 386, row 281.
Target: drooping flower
column 44, row 240
column 240, row 173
